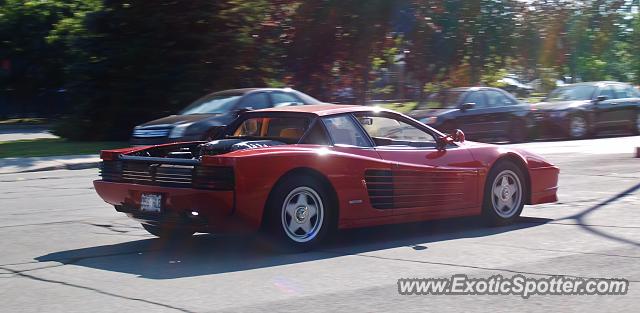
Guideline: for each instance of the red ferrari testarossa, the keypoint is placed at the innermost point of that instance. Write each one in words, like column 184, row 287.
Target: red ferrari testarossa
column 301, row 172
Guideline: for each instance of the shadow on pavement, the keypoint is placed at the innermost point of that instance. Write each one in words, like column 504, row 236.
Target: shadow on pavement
column 207, row 254
column 580, row 217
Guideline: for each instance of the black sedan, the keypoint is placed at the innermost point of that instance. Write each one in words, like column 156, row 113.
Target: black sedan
column 481, row 112
column 205, row 118
column 584, row 109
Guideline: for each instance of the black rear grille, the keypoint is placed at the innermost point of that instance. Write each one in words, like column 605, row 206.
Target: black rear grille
column 380, row 188
column 168, row 175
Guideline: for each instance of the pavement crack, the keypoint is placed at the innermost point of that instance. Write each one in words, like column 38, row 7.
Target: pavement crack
column 96, row 290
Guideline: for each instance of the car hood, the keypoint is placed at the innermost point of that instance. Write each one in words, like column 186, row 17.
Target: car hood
column 559, row 105
column 418, row 114
column 178, row 119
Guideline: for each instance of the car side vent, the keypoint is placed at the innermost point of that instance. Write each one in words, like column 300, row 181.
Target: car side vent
column 380, row 188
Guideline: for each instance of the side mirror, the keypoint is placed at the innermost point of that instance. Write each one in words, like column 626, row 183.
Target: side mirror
column 458, row 135
column 601, row 98
column 467, row 106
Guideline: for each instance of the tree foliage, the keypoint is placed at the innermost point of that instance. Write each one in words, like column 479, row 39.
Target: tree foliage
column 124, row 62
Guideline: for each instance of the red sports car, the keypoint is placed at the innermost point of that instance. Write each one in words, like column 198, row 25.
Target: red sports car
column 301, row 172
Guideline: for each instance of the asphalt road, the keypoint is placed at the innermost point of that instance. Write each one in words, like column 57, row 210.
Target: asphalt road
column 64, row 250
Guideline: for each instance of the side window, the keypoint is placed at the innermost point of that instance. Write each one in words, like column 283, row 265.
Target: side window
column 621, row 92
column 284, row 99
column 607, row 91
column 344, row 131
column 477, row 98
column 389, row 131
column 255, row 101
column 632, row 92
column 316, row 136
column 497, row 99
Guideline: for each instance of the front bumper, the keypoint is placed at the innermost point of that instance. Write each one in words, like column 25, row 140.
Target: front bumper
column 215, row 208
column 544, row 184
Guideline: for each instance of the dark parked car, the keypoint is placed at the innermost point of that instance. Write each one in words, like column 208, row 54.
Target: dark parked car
column 481, row 112
column 205, row 118
column 584, row 109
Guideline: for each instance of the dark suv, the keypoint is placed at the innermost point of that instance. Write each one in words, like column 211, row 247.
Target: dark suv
column 205, row 118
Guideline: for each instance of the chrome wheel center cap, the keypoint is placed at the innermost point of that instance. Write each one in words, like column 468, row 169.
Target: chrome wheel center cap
column 505, row 194
column 301, row 214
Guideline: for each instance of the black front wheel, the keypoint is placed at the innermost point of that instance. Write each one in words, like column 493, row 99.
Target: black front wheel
column 578, row 127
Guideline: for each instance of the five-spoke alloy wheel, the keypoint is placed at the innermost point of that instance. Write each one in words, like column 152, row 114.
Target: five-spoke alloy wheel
column 301, row 212
column 505, row 193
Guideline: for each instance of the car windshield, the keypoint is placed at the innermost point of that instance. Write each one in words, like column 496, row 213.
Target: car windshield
column 216, row 103
column 288, row 129
column 570, row 93
column 442, row 100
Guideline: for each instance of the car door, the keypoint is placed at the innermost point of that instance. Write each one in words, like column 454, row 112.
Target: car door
column 471, row 120
column 623, row 109
column 349, row 139
column 500, row 112
column 424, row 182
column 605, row 110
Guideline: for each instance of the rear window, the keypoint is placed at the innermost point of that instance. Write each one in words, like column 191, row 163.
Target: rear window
column 288, row 129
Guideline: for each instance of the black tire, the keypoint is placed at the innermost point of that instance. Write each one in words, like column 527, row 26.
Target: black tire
column 636, row 124
column 493, row 208
column 277, row 216
column 168, row 233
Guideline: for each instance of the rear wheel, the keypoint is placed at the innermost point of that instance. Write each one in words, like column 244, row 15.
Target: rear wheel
column 301, row 212
column 637, row 124
column 165, row 232
column 504, row 194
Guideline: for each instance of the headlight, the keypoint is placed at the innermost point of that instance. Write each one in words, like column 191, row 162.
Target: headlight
column 179, row 130
column 429, row 120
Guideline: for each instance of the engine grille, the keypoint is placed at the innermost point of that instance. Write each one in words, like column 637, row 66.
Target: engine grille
column 168, row 175
column 380, row 188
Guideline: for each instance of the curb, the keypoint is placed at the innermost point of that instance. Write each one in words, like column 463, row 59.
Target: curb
column 35, row 164
column 73, row 166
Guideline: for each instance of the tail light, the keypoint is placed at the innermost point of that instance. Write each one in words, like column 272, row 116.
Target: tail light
column 214, row 177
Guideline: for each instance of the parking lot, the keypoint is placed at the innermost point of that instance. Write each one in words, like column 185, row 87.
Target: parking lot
column 64, row 250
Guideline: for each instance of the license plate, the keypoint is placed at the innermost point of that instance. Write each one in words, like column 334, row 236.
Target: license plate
column 150, row 203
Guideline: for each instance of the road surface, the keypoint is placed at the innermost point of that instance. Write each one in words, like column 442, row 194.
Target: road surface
column 64, row 250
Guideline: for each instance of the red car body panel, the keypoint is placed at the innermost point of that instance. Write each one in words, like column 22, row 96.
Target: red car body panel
column 427, row 184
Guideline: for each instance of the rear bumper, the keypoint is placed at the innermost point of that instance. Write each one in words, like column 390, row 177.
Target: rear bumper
column 544, row 184
column 215, row 209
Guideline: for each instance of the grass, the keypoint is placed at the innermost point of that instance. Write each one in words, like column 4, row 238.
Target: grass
column 51, row 147
column 402, row 107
